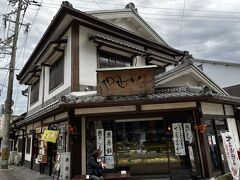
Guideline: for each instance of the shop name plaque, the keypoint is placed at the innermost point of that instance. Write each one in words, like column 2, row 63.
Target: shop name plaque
column 125, row 81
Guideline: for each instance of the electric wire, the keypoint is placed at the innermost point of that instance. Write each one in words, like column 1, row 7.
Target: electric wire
column 180, row 30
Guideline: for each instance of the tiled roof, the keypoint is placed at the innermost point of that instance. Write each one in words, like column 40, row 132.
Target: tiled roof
column 160, row 95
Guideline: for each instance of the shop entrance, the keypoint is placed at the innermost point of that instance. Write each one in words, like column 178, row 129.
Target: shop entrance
column 150, row 146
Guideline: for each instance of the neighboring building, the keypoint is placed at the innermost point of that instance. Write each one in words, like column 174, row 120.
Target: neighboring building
column 155, row 122
column 224, row 73
column 233, row 90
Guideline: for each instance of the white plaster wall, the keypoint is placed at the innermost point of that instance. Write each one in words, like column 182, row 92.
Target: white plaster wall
column 88, row 58
column 67, row 72
column 232, row 127
column 216, row 72
column 181, row 81
column 140, row 61
column 211, row 108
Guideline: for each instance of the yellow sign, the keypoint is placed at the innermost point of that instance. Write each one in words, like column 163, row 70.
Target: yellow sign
column 50, row 136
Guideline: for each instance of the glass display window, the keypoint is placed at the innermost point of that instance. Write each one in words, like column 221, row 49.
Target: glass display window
column 145, row 145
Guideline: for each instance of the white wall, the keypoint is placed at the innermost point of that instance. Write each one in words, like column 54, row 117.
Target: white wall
column 88, row 58
column 223, row 75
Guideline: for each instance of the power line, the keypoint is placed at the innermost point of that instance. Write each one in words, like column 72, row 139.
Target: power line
column 152, row 7
column 194, row 16
column 180, row 30
column 204, row 21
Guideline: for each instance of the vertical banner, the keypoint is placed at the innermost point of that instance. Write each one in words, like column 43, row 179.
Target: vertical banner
column 187, row 132
column 178, row 139
column 231, row 154
column 108, row 143
column 100, row 140
column 191, row 157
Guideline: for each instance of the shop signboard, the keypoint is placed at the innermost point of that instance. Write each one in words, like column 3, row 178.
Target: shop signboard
column 50, row 136
column 187, row 132
column 231, row 154
column 100, row 140
column 108, row 143
column 125, row 81
column 178, row 139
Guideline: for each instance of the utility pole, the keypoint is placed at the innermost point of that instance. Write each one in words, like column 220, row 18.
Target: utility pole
column 9, row 101
column 12, row 39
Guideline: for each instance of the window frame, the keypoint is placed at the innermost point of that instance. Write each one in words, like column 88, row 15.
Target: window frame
column 113, row 57
column 56, row 72
column 34, row 97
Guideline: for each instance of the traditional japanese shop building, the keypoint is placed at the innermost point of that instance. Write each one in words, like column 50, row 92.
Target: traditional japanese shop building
column 146, row 120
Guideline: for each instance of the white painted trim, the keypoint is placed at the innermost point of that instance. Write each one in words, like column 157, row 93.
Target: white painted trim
column 229, row 110
column 105, row 110
column 212, row 108
column 168, row 106
column 61, row 116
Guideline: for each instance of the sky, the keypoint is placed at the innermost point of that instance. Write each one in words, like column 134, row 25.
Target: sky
column 208, row 29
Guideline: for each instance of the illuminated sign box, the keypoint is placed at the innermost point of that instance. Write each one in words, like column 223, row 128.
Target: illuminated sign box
column 125, row 81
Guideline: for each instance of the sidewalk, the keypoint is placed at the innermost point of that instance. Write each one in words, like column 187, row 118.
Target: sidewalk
column 22, row 173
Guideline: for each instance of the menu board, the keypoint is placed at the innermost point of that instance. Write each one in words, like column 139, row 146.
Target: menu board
column 178, row 139
column 108, row 143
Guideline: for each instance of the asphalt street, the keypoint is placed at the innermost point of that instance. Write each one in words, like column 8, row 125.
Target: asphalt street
column 21, row 173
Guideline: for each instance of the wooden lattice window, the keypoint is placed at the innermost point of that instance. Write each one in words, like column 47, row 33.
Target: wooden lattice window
column 34, row 92
column 56, row 74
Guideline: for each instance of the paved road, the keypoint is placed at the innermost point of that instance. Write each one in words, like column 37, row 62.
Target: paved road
column 21, row 173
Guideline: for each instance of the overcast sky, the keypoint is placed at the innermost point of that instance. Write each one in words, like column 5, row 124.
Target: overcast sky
column 208, row 29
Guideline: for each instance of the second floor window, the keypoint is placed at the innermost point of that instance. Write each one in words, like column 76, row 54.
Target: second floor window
column 34, row 92
column 56, row 73
column 107, row 60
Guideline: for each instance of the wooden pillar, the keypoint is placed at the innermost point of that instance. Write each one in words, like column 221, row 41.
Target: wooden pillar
column 75, row 57
column 75, row 143
column 204, row 147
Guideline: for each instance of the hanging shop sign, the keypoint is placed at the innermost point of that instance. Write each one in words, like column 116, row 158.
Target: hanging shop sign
column 231, row 154
column 108, row 143
column 125, row 81
column 100, row 140
column 178, row 139
column 42, row 152
column 192, row 160
column 50, row 136
column 187, row 132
